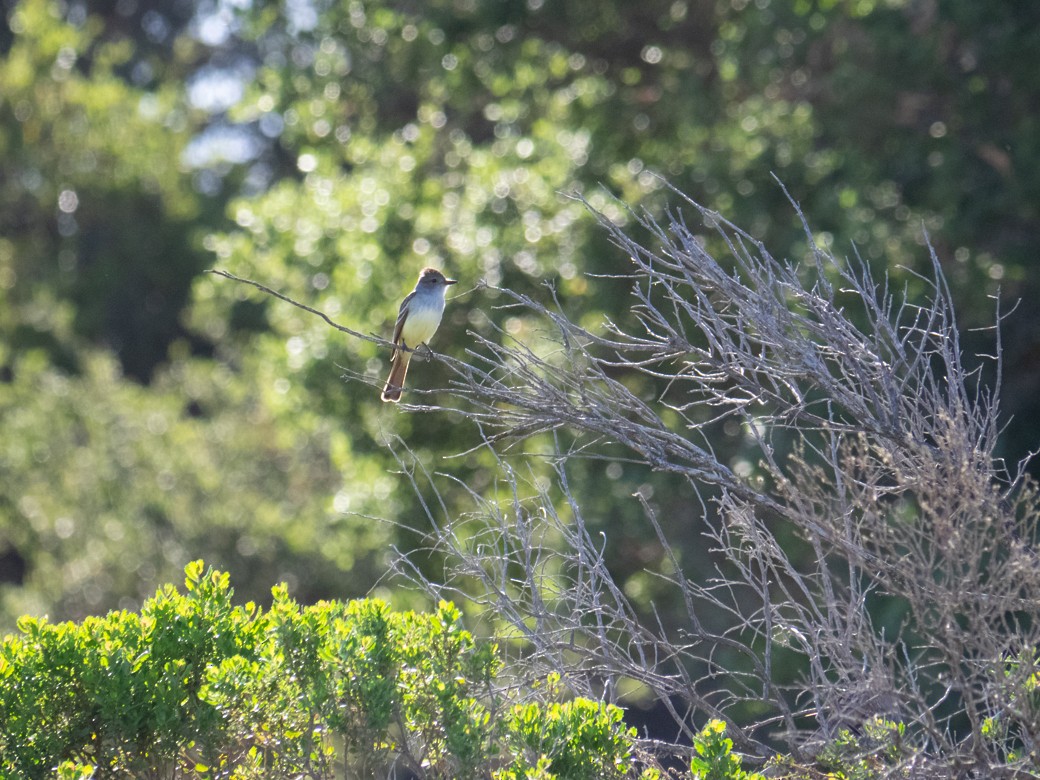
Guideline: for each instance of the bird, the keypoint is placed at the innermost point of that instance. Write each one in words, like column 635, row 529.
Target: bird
column 417, row 321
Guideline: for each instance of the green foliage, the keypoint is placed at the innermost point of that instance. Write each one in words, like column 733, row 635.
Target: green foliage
column 211, row 689
column 99, row 225
column 569, row 741
column 1009, row 730
column 99, row 466
column 715, row 759
column 390, row 136
column 877, row 752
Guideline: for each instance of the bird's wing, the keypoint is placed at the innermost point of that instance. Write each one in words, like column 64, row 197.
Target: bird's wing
column 402, row 314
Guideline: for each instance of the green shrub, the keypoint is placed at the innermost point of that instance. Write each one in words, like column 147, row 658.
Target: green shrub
column 572, row 740
column 195, row 686
column 879, row 750
column 715, row 759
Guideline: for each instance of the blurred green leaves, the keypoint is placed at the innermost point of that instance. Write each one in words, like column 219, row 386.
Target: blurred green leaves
column 100, row 224
column 198, row 461
column 152, row 414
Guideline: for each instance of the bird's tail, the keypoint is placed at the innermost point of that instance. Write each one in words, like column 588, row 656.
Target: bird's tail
column 395, row 382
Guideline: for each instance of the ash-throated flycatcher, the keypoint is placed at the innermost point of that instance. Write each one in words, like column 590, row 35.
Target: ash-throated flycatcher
column 417, row 321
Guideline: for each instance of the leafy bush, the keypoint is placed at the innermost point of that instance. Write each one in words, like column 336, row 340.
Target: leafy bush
column 198, row 687
column 715, row 759
column 584, row 738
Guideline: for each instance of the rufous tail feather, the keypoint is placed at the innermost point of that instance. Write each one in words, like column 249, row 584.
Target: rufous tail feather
column 395, row 382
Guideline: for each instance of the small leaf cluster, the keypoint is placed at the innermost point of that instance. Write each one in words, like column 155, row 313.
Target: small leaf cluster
column 195, row 686
column 715, row 759
column 584, row 738
column 877, row 749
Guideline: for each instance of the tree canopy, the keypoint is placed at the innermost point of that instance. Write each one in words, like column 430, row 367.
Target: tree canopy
column 153, row 414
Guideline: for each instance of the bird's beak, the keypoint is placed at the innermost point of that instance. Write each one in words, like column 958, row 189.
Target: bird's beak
column 451, row 281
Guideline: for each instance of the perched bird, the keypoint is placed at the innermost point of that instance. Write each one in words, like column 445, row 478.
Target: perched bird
column 417, row 321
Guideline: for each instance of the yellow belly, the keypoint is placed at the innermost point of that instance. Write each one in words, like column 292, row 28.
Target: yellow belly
column 420, row 325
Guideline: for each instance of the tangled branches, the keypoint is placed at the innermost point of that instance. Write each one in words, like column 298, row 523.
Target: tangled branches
column 873, row 451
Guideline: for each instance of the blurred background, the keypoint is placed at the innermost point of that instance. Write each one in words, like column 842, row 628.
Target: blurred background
column 151, row 414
